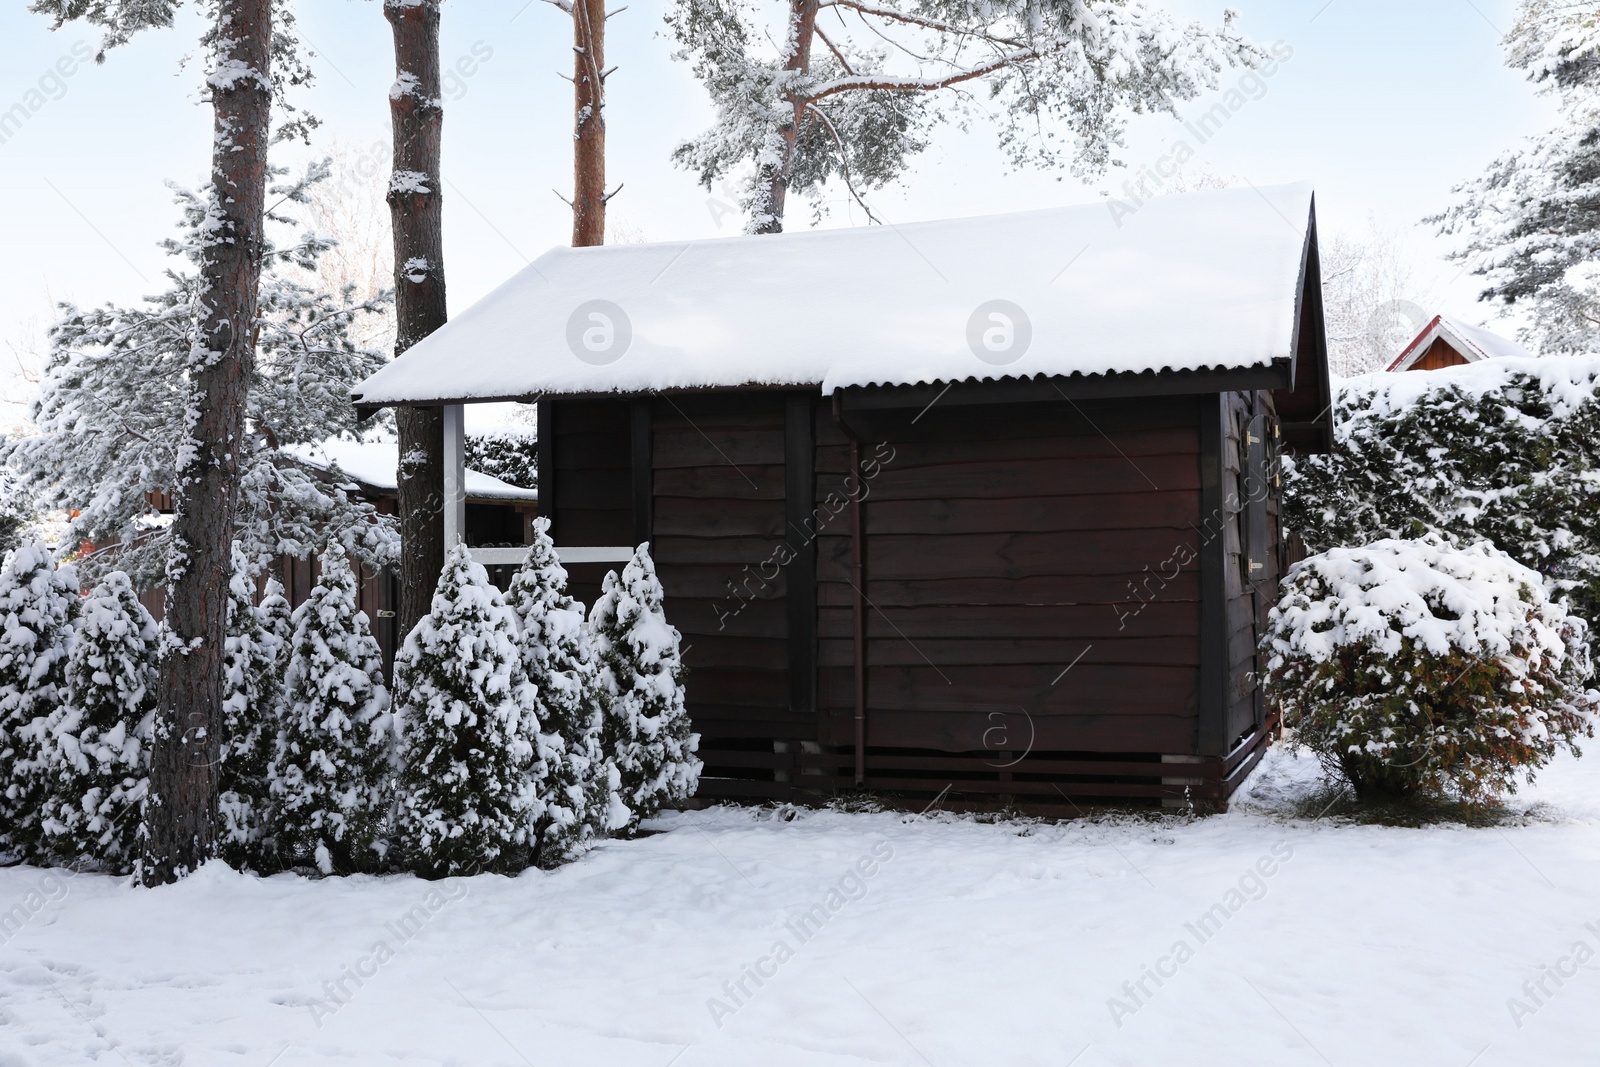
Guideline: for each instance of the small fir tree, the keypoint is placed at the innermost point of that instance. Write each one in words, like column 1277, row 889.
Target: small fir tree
column 580, row 791
column 97, row 744
column 329, row 773
column 277, row 619
column 470, row 765
column 647, row 727
column 38, row 602
column 252, row 690
column 16, row 510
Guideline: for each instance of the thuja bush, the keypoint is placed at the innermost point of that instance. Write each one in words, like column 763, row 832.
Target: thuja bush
column 1506, row 450
column 1420, row 670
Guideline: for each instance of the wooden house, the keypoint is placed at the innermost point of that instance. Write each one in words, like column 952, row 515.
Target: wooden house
column 1448, row 342
column 984, row 505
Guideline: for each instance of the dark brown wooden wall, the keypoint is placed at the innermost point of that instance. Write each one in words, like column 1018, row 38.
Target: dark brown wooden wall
column 718, row 499
column 1003, row 545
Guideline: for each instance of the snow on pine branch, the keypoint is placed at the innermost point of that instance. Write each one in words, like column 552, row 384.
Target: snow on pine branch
column 115, row 410
column 1058, row 79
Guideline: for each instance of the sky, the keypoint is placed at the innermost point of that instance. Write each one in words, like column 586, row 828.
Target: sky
column 1383, row 105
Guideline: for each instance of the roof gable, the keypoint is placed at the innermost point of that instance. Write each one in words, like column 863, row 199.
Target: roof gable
column 1471, row 343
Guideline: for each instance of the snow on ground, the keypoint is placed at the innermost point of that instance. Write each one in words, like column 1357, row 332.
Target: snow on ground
column 933, row 940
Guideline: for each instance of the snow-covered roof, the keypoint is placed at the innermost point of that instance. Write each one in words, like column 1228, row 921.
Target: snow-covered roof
column 1472, row 342
column 1189, row 282
column 372, row 464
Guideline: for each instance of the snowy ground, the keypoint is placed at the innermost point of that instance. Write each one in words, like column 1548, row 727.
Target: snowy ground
column 965, row 944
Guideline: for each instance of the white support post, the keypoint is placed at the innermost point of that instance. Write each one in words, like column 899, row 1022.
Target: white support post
column 455, row 476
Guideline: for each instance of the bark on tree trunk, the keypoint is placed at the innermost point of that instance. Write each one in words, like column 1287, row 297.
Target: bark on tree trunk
column 589, row 125
column 180, row 817
column 781, row 142
column 416, row 210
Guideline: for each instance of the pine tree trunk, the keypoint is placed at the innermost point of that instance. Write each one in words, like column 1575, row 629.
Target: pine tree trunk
column 589, row 125
column 181, row 813
column 416, row 209
column 780, row 143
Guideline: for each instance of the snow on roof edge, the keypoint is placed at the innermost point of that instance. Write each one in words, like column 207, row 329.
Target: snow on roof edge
column 1204, row 281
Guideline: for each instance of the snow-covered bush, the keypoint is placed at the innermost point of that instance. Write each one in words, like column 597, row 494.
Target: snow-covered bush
column 330, row 772
column 647, row 726
column 508, row 454
column 579, row 789
column 1507, row 449
column 38, row 602
column 16, row 510
column 253, row 666
column 1420, row 669
column 96, row 754
column 470, row 764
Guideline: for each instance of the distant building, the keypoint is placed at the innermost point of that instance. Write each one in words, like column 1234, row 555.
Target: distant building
column 1448, row 342
column 497, row 514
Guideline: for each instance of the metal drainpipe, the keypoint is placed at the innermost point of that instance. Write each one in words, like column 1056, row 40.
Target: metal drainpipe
column 858, row 574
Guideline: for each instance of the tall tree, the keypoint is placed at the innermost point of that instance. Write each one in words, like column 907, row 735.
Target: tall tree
column 247, row 65
column 1531, row 221
column 589, row 73
column 181, row 811
column 821, row 104
column 113, row 410
column 417, row 211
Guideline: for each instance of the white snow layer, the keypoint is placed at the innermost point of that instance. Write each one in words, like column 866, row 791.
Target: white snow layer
column 1185, row 282
column 374, row 463
column 1488, row 343
column 905, row 940
column 1567, row 381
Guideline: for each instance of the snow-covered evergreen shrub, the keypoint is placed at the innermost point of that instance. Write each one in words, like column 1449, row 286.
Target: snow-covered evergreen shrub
column 469, row 765
column 510, row 455
column 579, row 788
column 97, row 744
column 16, row 510
column 330, row 773
column 1420, row 669
column 1507, row 449
column 38, row 602
column 647, row 726
column 277, row 619
column 253, row 666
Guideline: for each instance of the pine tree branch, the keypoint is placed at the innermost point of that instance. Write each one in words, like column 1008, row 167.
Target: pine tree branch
column 937, row 25
column 890, row 84
column 844, row 165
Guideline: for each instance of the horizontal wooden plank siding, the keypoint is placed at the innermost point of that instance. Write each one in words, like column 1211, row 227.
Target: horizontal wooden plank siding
column 1032, row 580
column 718, row 501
